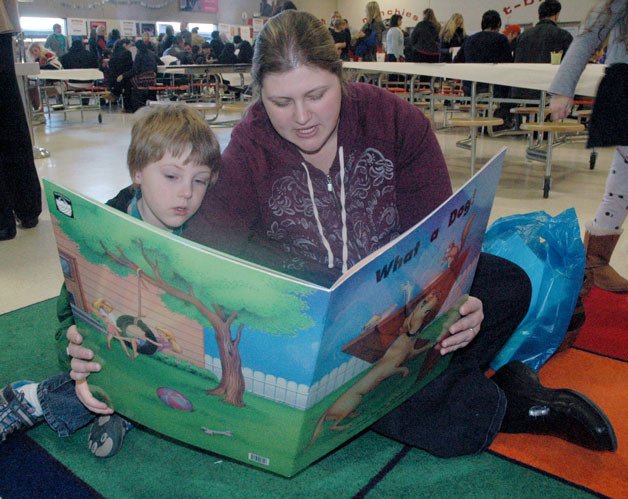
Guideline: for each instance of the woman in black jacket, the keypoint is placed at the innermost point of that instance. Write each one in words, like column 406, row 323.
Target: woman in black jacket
column 425, row 38
column 142, row 75
column 121, row 62
column 451, row 36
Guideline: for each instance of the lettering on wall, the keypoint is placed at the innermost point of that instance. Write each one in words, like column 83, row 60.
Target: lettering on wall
column 525, row 3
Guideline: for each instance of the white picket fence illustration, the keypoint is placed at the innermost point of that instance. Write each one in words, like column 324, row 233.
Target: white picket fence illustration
column 293, row 394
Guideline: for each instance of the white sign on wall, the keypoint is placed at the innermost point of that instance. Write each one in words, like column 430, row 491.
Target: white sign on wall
column 224, row 28
column 77, row 27
column 258, row 24
column 245, row 33
column 127, row 28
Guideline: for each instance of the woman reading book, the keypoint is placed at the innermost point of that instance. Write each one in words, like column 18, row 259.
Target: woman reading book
column 319, row 174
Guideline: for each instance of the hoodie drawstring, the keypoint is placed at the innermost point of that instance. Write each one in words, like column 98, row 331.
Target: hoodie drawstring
column 343, row 215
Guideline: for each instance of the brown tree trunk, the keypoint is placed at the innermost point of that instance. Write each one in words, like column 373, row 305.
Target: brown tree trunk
column 232, row 382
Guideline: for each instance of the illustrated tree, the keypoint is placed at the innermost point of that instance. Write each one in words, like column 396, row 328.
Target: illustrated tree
column 236, row 293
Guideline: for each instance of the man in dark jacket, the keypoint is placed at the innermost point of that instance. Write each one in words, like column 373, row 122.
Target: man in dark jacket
column 78, row 58
column 536, row 44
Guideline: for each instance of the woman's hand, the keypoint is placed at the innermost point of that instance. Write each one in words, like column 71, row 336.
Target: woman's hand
column 560, row 106
column 464, row 329
column 120, row 78
column 81, row 369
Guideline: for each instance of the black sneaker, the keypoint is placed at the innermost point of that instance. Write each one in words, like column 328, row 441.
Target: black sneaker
column 107, row 434
column 15, row 412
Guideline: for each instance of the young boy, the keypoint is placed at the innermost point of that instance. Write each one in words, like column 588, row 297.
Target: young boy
column 173, row 158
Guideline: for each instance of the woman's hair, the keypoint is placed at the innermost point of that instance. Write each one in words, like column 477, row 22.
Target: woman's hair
column 288, row 5
column 101, row 30
column 115, row 33
column 428, row 15
column 119, row 46
column 169, row 30
column 172, row 129
column 373, row 12
column 395, row 20
column 455, row 21
column 291, row 40
column 491, row 20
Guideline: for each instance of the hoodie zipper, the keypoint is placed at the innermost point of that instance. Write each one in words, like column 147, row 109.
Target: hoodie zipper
column 330, row 185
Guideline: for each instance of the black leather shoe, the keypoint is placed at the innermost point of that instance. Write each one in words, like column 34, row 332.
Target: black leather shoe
column 7, row 233
column 562, row 413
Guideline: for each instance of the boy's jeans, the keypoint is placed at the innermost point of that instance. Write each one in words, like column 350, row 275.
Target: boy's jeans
column 62, row 409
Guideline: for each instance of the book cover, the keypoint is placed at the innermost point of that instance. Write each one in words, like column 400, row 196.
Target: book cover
column 252, row 364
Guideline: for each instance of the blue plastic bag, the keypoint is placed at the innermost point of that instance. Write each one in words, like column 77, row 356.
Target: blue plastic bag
column 550, row 250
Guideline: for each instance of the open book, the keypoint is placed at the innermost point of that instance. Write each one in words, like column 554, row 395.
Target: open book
column 250, row 363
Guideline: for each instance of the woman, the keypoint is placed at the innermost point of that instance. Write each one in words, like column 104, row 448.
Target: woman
column 121, row 62
column 47, row 59
column 57, row 42
column 319, row 174
column 608, row 18
column 424, row 38
column 228, row 55
column 114, row 36
column 142, row 75
column 245, row 52
column 371, row 33
column 146, row 38
column 394, row 40
column 451, row 36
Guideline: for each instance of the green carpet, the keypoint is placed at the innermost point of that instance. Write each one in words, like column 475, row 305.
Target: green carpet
column 152, row 466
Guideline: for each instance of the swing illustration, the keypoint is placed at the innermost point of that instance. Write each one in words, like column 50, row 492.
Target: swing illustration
column 134, row 328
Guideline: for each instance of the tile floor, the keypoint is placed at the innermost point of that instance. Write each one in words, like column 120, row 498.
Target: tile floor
column 91, row 158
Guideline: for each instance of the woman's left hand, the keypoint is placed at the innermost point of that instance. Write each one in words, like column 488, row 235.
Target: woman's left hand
column 464, row 329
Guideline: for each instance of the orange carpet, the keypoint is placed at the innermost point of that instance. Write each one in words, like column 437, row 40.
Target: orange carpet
column 605, row 381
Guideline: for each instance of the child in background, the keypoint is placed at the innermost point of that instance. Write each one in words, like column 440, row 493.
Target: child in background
column 173, row 158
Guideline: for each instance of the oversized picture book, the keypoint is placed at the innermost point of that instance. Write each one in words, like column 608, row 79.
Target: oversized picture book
column 256, row 365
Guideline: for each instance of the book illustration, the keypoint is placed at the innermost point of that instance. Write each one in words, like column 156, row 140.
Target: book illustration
column 405, row 347
column 208, row 349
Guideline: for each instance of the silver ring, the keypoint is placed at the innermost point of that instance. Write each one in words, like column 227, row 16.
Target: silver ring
column 472, row 331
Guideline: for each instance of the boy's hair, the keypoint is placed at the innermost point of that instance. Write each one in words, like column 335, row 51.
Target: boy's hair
column 549, row 8
column 491, row 20
column 173, row 129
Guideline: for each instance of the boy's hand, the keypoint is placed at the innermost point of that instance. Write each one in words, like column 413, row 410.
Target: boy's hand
column 464, row 329
column 81, row 369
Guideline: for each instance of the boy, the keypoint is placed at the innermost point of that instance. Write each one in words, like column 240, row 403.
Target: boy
column 173, row 158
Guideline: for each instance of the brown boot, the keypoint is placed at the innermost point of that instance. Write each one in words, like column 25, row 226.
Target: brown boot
column 599, row 249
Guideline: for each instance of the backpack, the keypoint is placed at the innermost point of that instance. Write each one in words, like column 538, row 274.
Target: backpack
column 367, row 42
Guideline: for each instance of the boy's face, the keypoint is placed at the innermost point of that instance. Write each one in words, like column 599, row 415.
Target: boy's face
column 172, row 190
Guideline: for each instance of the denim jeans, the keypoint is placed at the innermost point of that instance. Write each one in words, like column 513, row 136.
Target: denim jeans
column 62, row 409
column 460, row 412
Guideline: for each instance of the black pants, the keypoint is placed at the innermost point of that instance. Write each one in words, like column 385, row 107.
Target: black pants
column 461, row 411
column 20, row 193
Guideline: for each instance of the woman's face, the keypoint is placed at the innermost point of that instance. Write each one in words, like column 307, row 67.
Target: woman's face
column 303, row 105
column 146, row 37
column 35, row 51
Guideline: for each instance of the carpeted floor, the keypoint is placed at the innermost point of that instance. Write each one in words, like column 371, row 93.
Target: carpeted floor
column 41, row 464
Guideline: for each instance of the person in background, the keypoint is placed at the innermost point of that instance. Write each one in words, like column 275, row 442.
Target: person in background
column 374, row 26
column 216, row 44
column 197, row 40
column 184, row 32
column 146, row 38
column 265, row 9
column 288, row 5
column 512, row 32
column 78, row 57
column 488, row 46
column 142, row 76
column 20, row 192
column 341, row 37
column 451, row 36
column 424, row 38
column 394, row 40
column 114, row 36
column 245, row 52
column 121, row 62
column 47, row 59
column 205, row 56
column 536, row 44
column 57, row 41
column 228, row 55
column 607, row 127
column 101, row 43
column 166, row 41
column 177, row 49
column 92, row 43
